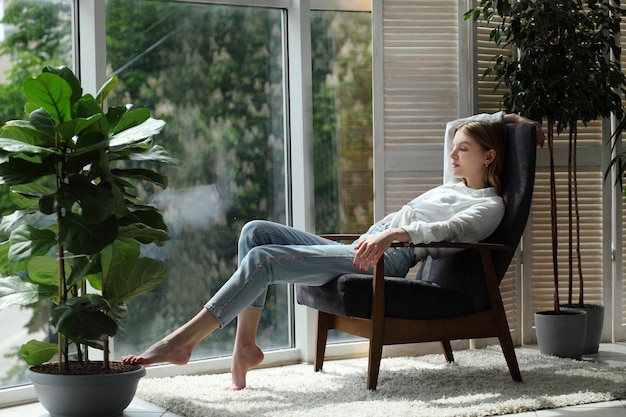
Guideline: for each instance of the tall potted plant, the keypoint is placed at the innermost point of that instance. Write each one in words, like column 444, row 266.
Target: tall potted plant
column 76, row 236
column 563, row 72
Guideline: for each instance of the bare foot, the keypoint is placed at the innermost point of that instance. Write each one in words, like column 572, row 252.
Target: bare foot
column 161, row 351
column 244, row 359
column 176, row 348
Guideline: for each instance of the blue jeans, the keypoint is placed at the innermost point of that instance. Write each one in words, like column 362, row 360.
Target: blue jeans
column 272, row 253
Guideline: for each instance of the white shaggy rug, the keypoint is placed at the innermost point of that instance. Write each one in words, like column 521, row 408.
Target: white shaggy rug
column 477, row 384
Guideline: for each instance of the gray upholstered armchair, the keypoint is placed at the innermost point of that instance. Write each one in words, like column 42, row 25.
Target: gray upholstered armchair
column 452, row 297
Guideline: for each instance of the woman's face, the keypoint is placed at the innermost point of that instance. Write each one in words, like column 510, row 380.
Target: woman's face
column 470, row 160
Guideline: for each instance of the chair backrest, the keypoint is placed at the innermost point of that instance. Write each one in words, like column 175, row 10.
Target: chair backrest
column 462, row 271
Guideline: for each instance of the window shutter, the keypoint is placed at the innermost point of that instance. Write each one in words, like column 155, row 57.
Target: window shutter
column 618, row 285
column 420, row 95
column 421, row 87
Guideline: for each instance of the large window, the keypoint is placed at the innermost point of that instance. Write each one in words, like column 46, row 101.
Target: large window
column 215, row 75
column 342, row 112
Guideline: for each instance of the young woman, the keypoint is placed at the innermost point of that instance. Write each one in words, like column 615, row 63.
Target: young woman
column 466, row 210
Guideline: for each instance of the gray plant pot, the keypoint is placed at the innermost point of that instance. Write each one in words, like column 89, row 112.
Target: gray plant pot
column 562, row 334
column 595, row 321
column 85, row 395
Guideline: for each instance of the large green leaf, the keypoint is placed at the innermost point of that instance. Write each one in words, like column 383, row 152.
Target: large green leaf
column 87, row 106
column 88, row 151
column 85, row 267
column 73, row 127
column 131, row 118
column 68, row 75
column 20, row 171
column 6, row 266
column 115, row 114
column 106, row 89
column 27, row 241
column 9, row 221
column 132, row 277
column 35, row 352
column 96, row 201
column 146, row 215
column 42, row 121
column 82, row 318
column 119, row 251
column 136, row 134
column 45, row 270
column 17, row 146
column 28, row 133
column 15, row 290
column 144, row 234
column 155, row 154
column 81, row 237
column 28, row 195
column 107, row 259
column 142, row 174
column 52, row 93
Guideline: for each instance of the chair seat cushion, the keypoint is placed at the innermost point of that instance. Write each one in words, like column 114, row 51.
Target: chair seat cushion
column 351, row 295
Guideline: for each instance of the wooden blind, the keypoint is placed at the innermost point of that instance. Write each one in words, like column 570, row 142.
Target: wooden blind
column 420, row 88
column 421, row 48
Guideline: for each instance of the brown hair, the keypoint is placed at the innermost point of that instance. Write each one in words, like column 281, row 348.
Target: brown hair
column 490, row 135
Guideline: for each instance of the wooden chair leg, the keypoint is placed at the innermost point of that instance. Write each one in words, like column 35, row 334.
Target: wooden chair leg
column 447, row 350
column 495, row 299
column 506, row 343
column 321, row 339
column 373, row 366
column 377, row 323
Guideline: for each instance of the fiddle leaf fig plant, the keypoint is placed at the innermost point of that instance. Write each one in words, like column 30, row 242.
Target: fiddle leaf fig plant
column 73, row 169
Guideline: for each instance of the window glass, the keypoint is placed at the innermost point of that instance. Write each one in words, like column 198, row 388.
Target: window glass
column 342, row 112
column 33, row 33
column 215, row 75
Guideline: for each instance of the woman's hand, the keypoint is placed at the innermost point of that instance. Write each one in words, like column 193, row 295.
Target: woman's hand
column 516, row 118
column 370, row 249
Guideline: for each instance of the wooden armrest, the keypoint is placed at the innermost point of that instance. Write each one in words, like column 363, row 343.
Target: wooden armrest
column 341, row 236
column 458, row 245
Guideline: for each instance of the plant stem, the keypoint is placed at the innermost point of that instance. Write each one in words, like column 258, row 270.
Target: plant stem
column 63, row 291
column 105, row 344
column 555, row 268
column 577, row 211
column 570, row 230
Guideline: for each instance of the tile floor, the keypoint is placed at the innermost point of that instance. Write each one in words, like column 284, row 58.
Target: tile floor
column 138, row 408
column 611, row 353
